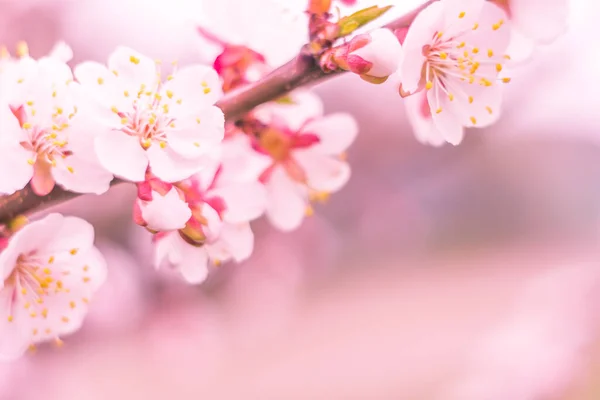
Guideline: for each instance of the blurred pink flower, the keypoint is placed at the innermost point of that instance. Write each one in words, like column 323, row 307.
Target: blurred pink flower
column 50, row 269
column 305, row 151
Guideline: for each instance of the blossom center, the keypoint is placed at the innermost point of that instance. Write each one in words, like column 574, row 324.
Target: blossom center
column 452, row 60
column 276, row 143
column 148, row 122
column 46, row 145
column 32, row 281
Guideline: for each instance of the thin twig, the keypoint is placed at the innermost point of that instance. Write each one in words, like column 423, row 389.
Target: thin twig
column 301, row 71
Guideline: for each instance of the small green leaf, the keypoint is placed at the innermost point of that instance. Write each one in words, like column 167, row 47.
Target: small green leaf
column 360, row 18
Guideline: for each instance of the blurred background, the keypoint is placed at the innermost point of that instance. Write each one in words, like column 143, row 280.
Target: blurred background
column 458, row 273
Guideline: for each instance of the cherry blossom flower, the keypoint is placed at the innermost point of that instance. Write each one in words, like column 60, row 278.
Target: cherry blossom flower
column 218, row 229
column 305, row 157
column 170, row 126
column 50, row 271
column 43, row 137
column 455, row 51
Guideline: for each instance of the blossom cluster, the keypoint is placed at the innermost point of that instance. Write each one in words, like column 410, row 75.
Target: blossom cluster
column 451, row 62
column 202, row 180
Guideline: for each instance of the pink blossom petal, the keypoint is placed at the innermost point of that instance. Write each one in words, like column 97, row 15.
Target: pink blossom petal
column 384, row 52
column 122, row 155
column 190, row 143
column 197, row 86
column 240, row 162
column 336, row 132
column 166, row 213
column 82, row 172
column 191, row 139
column 542, row 20
column 82, row 175
column 305, row 106
column 286, row 202
column 51, row 70
column 190, row 261
column 30, row 238
column 67, row 233
column 133, row 67
column 323, row 173
column 446, row 121
column 67, row 309
column 423, row 125
column 214, row 224
column 245, row 201
column 14, row 335
column 194, row 267
column 62, row 52
column 101, row 85
column 166, row 250
column 520, row 47
column 493, row 30
column 426, row 24
column 169, row 166
column 236, row 241
column 461, row 15
column 14, row 158
column 484, row 110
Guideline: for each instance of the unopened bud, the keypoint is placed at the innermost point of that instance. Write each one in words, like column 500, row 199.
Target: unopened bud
column 374, row 56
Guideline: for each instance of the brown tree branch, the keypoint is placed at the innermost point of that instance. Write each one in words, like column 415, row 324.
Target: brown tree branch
column 303, row 70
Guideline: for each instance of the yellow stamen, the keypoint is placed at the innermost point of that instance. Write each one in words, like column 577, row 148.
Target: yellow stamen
column 22, row 49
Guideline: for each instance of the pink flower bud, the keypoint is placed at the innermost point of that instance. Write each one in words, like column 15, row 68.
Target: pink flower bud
column 374, row 55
